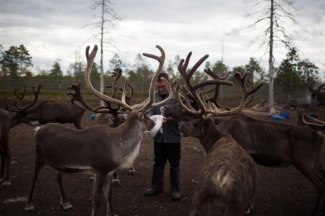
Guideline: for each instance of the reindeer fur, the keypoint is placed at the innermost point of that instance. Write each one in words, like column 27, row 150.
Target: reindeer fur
column 228, row 175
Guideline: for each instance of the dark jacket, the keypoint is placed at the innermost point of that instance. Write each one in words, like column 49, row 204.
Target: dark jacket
column 170, row 132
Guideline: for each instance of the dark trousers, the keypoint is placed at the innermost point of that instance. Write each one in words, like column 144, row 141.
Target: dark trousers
column 167, row 151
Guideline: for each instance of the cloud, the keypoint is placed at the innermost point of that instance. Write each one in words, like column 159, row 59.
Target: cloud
column 58, row 29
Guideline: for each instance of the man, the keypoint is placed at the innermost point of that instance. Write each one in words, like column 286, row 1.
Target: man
column 167, row 146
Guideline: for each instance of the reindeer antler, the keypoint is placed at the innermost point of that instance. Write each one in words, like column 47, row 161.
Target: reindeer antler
column 18, row 108
column 311, row 122
column 216, row 89
column 207, row 107
column 140, row 107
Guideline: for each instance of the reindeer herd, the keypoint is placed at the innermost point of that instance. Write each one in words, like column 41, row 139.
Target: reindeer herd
column 234, row 142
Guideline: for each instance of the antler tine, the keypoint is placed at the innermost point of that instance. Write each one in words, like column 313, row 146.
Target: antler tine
column 150, row 101
column 310, row 121
column 186, row 105
column 182, row 67
column 90, row 60
column 36, row 93
column 192, row 89
column 246, row 93
column 315, row 91
column 214, row 98
column 23, row 94
column 76, row 96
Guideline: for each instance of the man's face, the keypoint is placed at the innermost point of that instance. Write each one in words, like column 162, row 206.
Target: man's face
column 162, row 87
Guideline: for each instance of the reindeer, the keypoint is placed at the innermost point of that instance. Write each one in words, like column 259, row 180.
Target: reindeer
column 99, row 149
column 55, row 111
column 108, row 114
column 4, row 148
column 228, row 175
column 272, row 144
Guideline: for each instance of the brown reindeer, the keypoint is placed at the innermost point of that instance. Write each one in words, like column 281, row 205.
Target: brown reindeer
column 4, row 148
column 228, row 175
column 273, row 144
column 55, row 111
column 99, row 150
column 108, row 114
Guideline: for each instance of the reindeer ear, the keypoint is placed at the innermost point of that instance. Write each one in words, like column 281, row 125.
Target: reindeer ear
column 141, row 115
column 217, row 120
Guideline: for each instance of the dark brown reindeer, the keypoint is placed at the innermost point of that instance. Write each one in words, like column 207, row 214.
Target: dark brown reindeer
column 99, row 150
column 274, row 144
column 4, row 148
column 228, row 175
column 55, row 111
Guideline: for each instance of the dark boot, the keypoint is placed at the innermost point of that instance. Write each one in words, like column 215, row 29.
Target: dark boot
column 174, row 183
column 157, row 183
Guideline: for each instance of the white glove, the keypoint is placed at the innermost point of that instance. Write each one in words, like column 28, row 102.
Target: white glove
column 158, row 119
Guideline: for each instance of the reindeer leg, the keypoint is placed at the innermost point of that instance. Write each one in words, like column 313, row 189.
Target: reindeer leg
column 115, row 178
column 5, row 163
column 64, row 203
column 132, row 171
column 315, row 173
column 98, row 186
column 7, row 168
column 108, row 194
column 29, row 203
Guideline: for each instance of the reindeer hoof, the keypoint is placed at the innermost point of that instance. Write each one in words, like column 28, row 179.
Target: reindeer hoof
column 132, row 172
column 29, row 207
column 249, row 209
column 116, row 180
column 6, row 183
column 66, row 205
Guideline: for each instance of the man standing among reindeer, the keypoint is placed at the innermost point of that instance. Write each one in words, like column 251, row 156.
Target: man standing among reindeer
column 167, row 146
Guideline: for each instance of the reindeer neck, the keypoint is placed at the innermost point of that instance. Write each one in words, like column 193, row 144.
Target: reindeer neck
column 209, row 136
column 132, row 127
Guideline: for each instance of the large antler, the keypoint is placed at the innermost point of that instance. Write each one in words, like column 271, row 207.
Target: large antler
column 216, row 89
column 108, row 107
column 206, row 107
column 315, row 91
column 192, row 89
column 144, row 105
column 17, row 107
column 311, row 122
column 76, row 96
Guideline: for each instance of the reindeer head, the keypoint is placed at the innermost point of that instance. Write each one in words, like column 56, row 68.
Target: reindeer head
column 206, row 110
column 137, row 108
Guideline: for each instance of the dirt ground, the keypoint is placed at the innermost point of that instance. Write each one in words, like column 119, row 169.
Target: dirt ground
column 281, row 191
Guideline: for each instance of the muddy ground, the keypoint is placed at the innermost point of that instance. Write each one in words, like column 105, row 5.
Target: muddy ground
column 281, row 191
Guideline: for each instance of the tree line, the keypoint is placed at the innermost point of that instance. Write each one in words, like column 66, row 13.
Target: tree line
column 293, row 73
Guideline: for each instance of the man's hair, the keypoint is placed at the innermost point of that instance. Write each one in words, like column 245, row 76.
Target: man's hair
column 162, row 75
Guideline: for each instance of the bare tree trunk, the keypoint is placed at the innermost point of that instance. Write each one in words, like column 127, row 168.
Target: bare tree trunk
column 101, row 83
column 271, row 80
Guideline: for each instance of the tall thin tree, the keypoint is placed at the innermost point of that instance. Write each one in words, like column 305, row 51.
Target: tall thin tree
column 106, row 19
column 273, row 14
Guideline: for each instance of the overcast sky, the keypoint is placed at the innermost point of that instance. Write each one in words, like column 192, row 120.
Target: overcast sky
column 57, row 29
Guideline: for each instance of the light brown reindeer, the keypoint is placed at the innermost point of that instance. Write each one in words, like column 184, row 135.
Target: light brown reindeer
column 107, row 114
column 99, row 150
column 228, row 175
